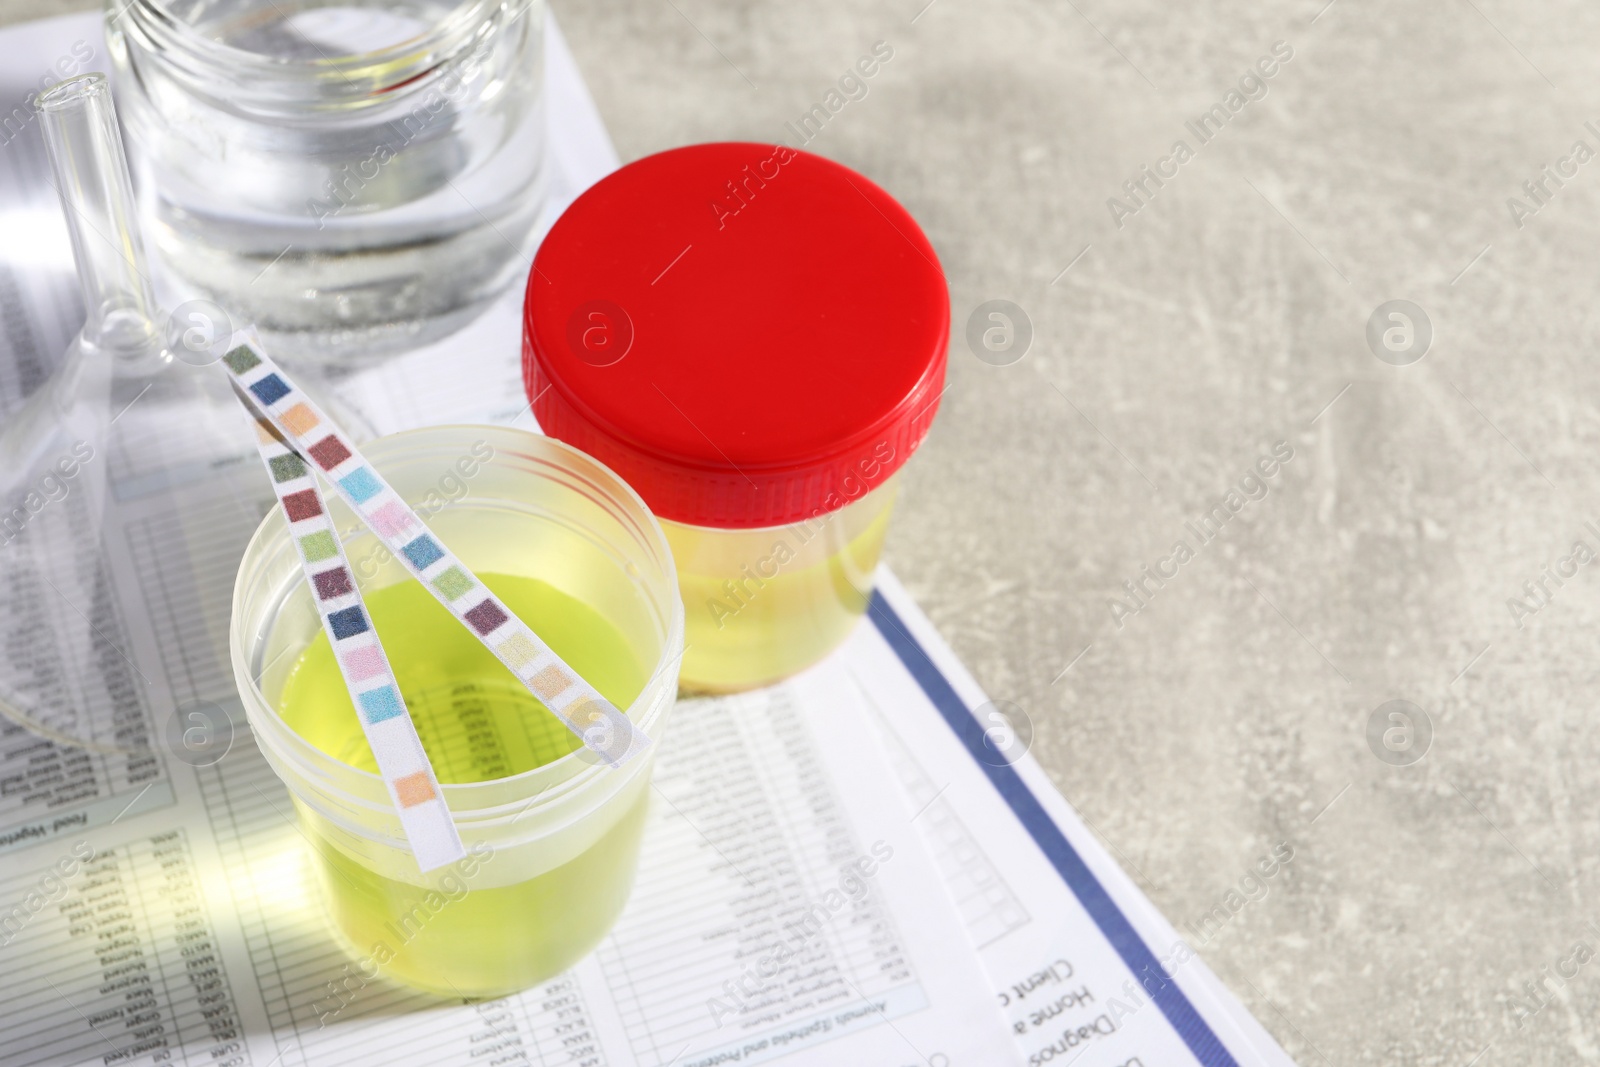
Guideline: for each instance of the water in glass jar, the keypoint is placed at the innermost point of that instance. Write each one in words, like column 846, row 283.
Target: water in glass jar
column 353, row 177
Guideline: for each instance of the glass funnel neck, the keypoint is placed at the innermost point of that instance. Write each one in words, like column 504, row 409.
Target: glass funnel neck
column 91, row 177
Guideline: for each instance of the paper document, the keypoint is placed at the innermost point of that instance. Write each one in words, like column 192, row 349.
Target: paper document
column 781, row 913
column 1083, row 965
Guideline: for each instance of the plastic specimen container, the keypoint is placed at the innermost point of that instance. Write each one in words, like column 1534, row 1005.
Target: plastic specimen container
column 755, row 338
column 552, row 833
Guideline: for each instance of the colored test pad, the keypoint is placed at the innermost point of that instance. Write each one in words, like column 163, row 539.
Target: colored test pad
column 604, row 730
column 402, row 761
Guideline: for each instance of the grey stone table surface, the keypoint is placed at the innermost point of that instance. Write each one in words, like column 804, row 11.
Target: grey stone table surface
column 1184, row 328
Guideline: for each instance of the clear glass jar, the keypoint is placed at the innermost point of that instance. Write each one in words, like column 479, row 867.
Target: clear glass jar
column 352, row 176
column 552, row 848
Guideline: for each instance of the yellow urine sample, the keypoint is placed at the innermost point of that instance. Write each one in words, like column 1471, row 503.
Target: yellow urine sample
column 477, row 722
column 761, row 604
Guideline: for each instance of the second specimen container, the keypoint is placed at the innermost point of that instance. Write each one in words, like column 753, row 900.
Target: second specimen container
column 754, row 337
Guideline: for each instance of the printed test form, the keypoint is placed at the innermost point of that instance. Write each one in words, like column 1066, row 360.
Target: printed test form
column 781, row 915
column 1085, row 968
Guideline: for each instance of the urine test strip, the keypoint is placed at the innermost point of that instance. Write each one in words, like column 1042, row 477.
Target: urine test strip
column 402, row 761
column 606, row 732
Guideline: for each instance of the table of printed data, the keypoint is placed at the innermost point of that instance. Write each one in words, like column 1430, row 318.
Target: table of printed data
column 114, row 960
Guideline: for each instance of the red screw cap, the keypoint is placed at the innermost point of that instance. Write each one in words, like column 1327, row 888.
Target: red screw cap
column 748, row 334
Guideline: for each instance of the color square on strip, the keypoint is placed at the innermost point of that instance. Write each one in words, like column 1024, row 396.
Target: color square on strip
column 453, row 583
column 302, row 505
column 586, row 714
column 287, row 468
column 423, row 552
column 486, row 616
column 361, row 484
column 549, row 682
column 517, row 650
column 267, row 433
column 270, row 390
column 413, row 789
column 391, row 520
column 332, row 583
column 363, row 663
column 329, row 452
column 241, row 359
column 380, row 704
column 318, row 546
column 347, row 623
column 299, row 419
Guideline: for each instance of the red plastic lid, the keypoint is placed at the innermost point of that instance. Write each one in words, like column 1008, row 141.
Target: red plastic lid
column 749, row 335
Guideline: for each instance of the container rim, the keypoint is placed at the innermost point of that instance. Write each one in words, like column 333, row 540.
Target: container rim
column 554, row 780
column 336, row 81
